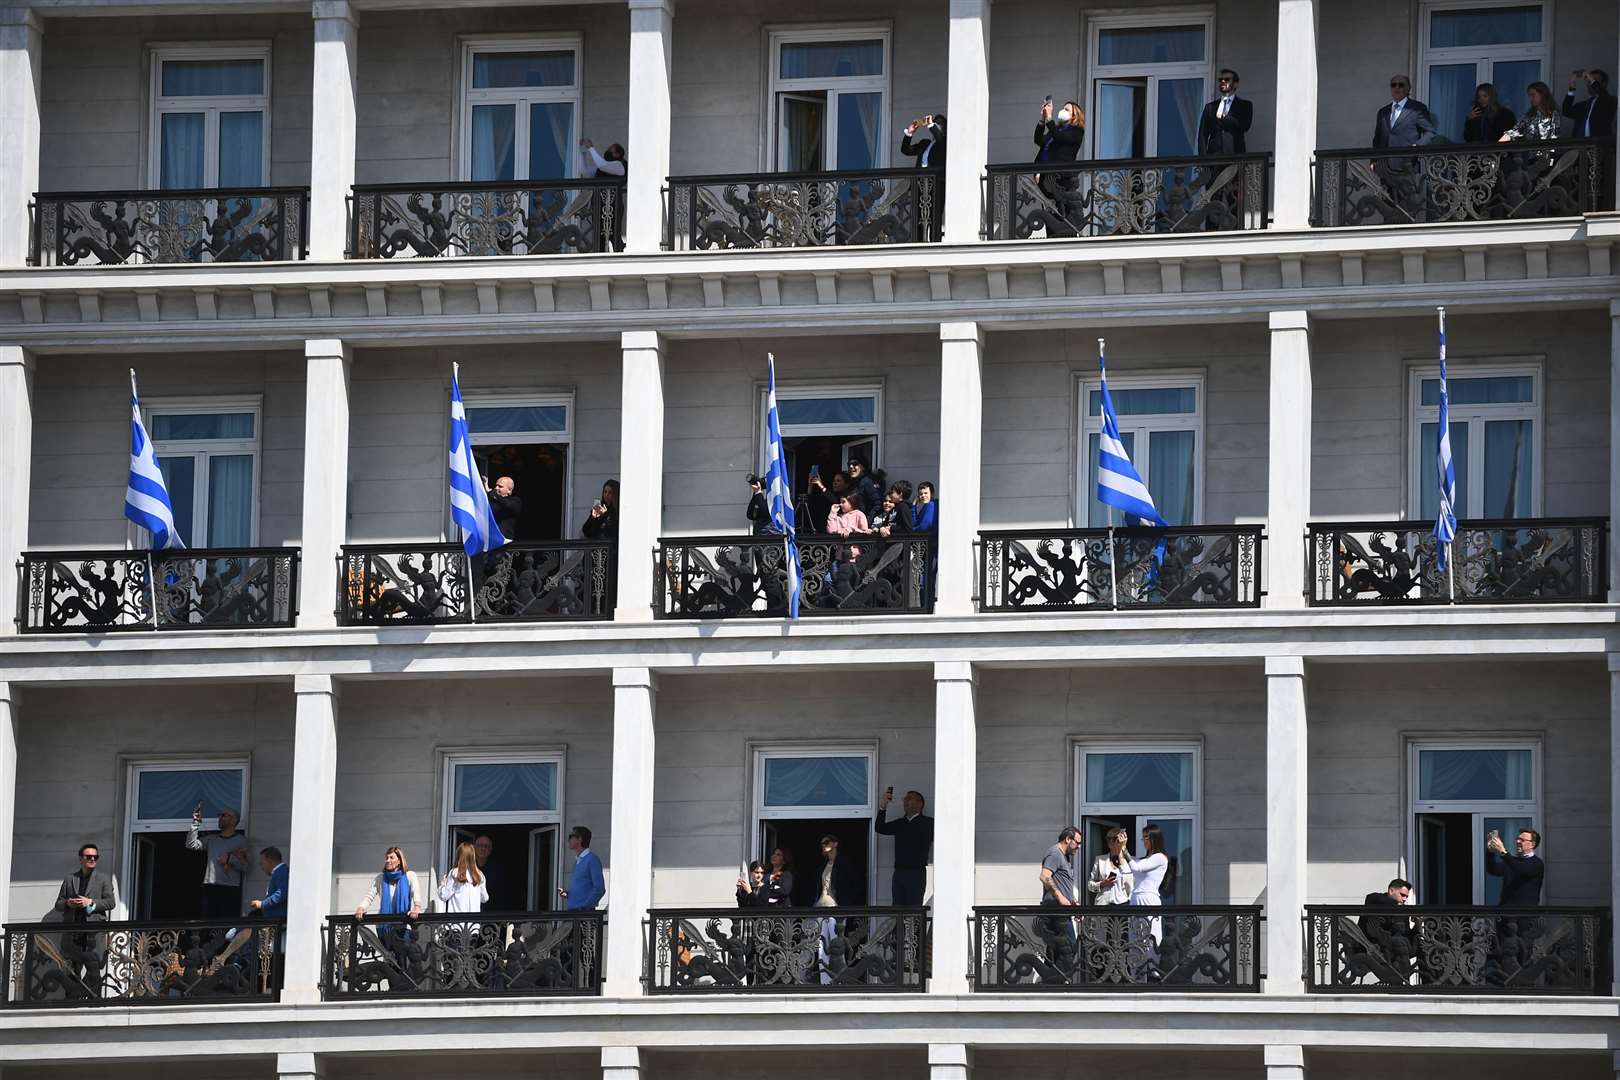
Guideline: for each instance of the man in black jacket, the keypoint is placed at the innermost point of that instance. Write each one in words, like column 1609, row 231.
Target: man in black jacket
column 868, row 492
column 1226, row 120
column 1521, row 873
column 924, row 140
column 837, row 884
column 913, row 839
column 1390, row 936
column 1594, row 117
column 507, row 506
column 88, row 895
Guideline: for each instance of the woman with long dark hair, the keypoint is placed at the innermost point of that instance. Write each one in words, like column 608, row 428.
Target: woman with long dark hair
column 1541, row 121
column 1148, row 873
column 1489, row 119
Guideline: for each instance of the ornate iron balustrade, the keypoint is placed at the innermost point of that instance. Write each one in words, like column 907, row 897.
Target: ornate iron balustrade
column 806, row 209
column 1127, row 197
column 1534, row 561
column 142, row 963
column 76, row 592
column 1205, row 566
column 549, row 953
column 1486, row 182
column 1197, row 949
column 399, row 584
column 483, row 218
column 102, row 228
column 797, row 950
column 1458, row 950
column 738, row 577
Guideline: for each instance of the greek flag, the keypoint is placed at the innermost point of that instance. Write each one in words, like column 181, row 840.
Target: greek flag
column 146, row 501
column 1445, row 521
column 779, row 494
column 1118, row 483
column 469, row 503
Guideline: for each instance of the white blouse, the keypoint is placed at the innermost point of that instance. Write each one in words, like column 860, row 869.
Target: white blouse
column 1119, row 892
column 1149, row 876
column 463, row 896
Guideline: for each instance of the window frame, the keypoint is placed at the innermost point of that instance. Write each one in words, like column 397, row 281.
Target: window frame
column 209, row 105
column 1094, row 71
column 763, row 754
column 1193, row 811
column 496, row 398
column 776, row 85
column 1534, row 808
column 803, row 391
column 135, row 826
column 1195, row 422
column 450, row 818
column 522, row 97
column 1420, row 457
column 201, row 450
column 1484, row 57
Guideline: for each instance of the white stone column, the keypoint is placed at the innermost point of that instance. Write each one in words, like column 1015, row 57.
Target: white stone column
column 17, row 452
column 1289, row 473
column 300, row 1067
column 21, row 46
column 1285, row 1062
column 621, row 1063
column 955, row 803
column 326, row 478
column 635, row 692
column 1296, row 113
column 647, row 141
column 1614, row 452
column 1614, row 809
column 309, row 846
column 950, row 1061
column 1286, row 862
column 961, row 434
column 8, row 790
column 641, row 471
column 331, row 163
column 967, row 114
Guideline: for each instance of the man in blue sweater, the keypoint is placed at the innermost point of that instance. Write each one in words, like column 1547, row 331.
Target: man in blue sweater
column 274, row 904
column 585, row 886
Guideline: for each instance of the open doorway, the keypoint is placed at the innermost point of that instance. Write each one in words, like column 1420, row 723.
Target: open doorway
column 514, row 799
column 1461, row 793
column 803, row 794
column 529, row 438
column 801, row 839
column 824, row 428
column 164, row 878
column 521, row 872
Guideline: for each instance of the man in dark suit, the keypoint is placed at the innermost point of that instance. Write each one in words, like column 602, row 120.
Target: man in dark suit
column 1405, row 121
column 1521, row 873
column 87, row 895
column 1390, row 936
column 1594, row 117
column 507, row 506
column 925, row 140
column 837, row 885
column 913, row 838
column 1226, row 120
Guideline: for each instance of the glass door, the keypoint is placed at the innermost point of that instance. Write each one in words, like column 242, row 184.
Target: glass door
column 543, row 868
column 801, row 142
column 1121, row 119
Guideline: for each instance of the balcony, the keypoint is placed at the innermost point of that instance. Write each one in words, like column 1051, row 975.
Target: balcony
column 1134, row 197
column 1194, row 949
column 105, row 228
column 142, row 963
column 487, row 218
column 525, row 581
column 1489, row 182
column 1527, row 561
column 800, row 950
column 807, row 209
column 94, row 592
column 549, row 954
column 1206, row 566
column 1457, row 950
column 734, row 577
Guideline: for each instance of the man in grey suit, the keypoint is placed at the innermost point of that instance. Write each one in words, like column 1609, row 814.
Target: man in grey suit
column 87, row 895
column 1405, row 121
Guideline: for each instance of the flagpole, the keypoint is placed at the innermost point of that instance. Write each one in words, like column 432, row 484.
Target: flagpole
column 472, row 590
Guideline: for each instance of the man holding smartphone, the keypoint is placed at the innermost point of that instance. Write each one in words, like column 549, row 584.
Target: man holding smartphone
column 1521, row 873
column 913, row 840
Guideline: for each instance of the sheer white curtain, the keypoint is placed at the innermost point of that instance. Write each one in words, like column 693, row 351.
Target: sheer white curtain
column 230, row 500
column 505, row 786
column 829, row 781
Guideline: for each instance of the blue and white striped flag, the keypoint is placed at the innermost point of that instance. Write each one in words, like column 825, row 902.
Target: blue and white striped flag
column 469, row 503
column 1118, row 483
column 1445, row 520
column 779, row 493
column 146, row 501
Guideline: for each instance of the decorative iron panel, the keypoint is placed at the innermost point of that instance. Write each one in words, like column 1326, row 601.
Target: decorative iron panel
column 551, row 953
column 1535, row 561
column 142, row 963
column 738, row 577
column 386, row 585
column 1495, row 181
column 811, row 209
column 102, row 228
column 486, row 218
column 1211, row 566
column 1457, row 950
column 801, row 950
column 1127, row 197
column 1202, row 949
column 74, row 592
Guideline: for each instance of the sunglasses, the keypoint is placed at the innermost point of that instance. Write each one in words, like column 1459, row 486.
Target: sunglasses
column 89, row 858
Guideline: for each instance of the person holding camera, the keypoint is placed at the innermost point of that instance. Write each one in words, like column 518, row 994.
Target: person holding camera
column 759, row 507
column 1059, row 138
column 1521, row 872
column 226, row 869
column 925, row 140
column 593, row 163
column 603, row 524
column 1594, row 117
column 1489, row 119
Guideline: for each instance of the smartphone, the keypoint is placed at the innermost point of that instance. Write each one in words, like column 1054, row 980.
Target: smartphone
column 815, row 472
column 1049, row 99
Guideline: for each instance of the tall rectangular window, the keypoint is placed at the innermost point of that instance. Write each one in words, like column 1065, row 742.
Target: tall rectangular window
column 803, row 794
column 1131, row 786
column 509, row 807
column 1161, row 424
column 159, row 877
column 1495, row 414
column 530, row 439
column 829, row 98
column 1150, row 77
column 208, row 452
column 824, row 428
column 1461, row 792
column 210, row 116
column 1469, row 42
column 520, row 108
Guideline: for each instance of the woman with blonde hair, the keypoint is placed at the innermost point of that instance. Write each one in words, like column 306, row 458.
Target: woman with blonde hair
column 394, row 890
column 1110, row 879
column 465, row 889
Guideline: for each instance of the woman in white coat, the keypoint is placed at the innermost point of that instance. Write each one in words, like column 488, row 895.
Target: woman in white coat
column 1110, row 879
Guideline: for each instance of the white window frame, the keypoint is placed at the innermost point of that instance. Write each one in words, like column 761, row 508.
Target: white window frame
column 1479, row 808
column 758, row 814
column 450, row 819
column 1141, row 425
column 848, row 432
column 1421, row 457
column 202, row 449
column 831, row 86
column 521, row 97
column 135, row 825
column 1194, row 810
column 1484, row 57
column 487, row 399
column 209, row 105
column 1130, row 19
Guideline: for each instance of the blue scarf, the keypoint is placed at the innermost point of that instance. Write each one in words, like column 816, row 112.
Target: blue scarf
column 396, row 893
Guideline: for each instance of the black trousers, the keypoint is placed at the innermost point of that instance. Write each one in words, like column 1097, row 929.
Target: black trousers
column 222, row 901
column 907, row 887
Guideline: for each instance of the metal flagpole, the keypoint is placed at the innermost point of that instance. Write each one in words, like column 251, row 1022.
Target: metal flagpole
column 472, row 590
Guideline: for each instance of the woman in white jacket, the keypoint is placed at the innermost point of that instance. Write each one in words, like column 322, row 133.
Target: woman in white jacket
column 464, row 889
column 1110, row 879
column 394, row 891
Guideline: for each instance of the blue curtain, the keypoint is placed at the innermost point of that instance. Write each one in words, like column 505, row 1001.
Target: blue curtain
column 839, row 410
column 1513, row 79
column 173, row 426
column 1475, row 775
column 1150, row 45
column 180, row 477
column 1139, row 778
column 1485, row 26
column 169, row 794
column 1181, row 102
column 230, row 501
column 830, row 781
column 509, row 418
column 860, row 123
column 1171, row 469
column 1483, row 390
column 550, row 126
column 494, row 142
column 1143, row 400
column 241, row 149
column 212, row 78
column 182, row 151
column 1508, row 449
column 523, row 69
column 1451, row 95
column 1428, row 471
column 506, row 787
column 831, row 59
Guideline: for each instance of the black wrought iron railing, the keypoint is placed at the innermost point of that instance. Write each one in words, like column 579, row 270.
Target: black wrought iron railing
column 1206, row 948
column 1530, row 561
column 101, row 228
column 1198, row 566
column 400, row 584
column 1457, row 950
column 541, row 954
column 806, row 209
column 483, row 218
column 739, row 577
column 78, row 592
column 1127, row 197
column 1455, row 182
column 142, row 963
column 798, row 950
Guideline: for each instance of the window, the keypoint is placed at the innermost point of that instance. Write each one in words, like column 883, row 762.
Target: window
column 1495, row 440
column 210, row 116
column 515, row 800
column 1462, row 792
column 824, row 427
column 528, row 437
column 1132, row 786
column 1150, row 78
column 164, row 877
column 1468, row 42
column 1162, row 426
column 829, row 99
column 208, row 452
column 801, row 794
column 520, row 107
column 819, row 785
